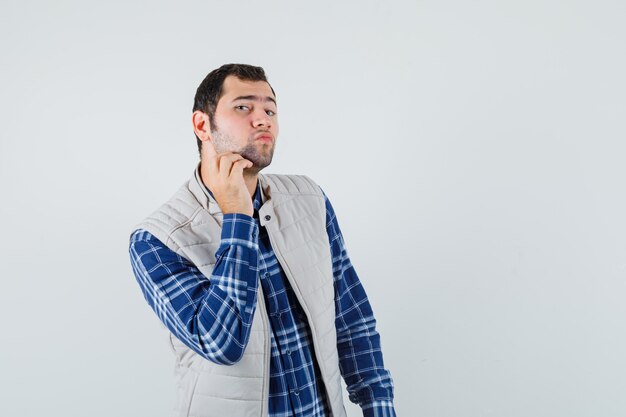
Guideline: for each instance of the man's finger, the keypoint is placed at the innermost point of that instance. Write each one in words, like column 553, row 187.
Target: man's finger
column 238, row 167
column 226, row 162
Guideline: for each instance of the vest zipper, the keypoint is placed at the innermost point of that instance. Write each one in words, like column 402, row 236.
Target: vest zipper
column 265, row 395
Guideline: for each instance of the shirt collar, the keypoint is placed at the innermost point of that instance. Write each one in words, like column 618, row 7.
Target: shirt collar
column 256, row 198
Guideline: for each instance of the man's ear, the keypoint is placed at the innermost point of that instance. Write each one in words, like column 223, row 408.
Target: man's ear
column 201, row 125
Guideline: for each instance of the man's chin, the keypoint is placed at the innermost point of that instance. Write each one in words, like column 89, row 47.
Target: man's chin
column 255, row 168
column 259, row 161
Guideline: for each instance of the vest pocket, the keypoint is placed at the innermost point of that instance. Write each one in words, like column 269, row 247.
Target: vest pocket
column 186, row 382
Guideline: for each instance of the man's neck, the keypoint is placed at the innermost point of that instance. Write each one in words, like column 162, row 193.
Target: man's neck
column 251, row 181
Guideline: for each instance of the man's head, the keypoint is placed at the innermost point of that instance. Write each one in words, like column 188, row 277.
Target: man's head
column 235, row 110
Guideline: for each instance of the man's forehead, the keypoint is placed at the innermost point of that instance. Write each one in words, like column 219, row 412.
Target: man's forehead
column 234, row 87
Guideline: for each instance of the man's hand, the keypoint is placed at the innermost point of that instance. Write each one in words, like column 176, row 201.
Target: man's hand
column 225, row 180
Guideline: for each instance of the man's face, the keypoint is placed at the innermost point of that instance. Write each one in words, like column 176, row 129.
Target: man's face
column 246, row 121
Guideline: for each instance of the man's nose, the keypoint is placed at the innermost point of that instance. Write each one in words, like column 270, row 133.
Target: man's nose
column 261, row 119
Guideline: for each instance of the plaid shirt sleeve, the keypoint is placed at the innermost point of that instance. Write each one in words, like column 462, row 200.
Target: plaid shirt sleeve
column 369, row 384
column 211, row 315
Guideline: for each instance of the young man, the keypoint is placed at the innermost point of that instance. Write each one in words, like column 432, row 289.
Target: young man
column 250, row 274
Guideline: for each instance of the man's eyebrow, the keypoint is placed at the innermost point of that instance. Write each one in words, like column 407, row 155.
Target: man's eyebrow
column 255, row 98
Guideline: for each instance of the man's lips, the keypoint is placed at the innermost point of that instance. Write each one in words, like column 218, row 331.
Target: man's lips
column 265, row 137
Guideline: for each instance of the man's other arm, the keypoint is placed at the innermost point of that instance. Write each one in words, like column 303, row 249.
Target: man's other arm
column 369, row 384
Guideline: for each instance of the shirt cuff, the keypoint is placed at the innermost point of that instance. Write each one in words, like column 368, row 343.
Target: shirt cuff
column 379, row 408
column 240, row 229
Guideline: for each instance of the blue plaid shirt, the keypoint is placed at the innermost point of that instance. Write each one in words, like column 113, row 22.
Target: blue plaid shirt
column 213, row 317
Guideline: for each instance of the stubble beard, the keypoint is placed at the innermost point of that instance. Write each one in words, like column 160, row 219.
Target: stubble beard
column 259, row 154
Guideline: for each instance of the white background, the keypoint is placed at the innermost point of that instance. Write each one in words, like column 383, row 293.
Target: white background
column 474, row 153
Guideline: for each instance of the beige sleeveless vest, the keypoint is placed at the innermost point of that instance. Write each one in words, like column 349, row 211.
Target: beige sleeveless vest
column 294, row 215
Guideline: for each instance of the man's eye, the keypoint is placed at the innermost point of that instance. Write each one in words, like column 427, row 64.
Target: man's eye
column 270, row 112
column 242, row 107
